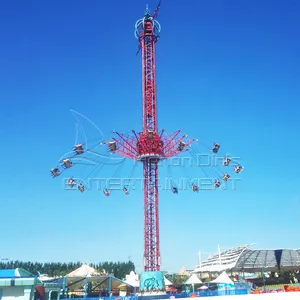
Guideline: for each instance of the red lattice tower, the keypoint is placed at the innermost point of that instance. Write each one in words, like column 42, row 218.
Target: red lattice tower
column 149, row 146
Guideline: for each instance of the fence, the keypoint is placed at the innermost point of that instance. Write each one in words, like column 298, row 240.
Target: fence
column 172, row 296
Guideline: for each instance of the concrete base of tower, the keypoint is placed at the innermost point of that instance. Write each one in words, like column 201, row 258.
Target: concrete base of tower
column 152, row 282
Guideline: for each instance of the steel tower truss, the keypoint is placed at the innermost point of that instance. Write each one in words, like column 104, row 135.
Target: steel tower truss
column 149, row 146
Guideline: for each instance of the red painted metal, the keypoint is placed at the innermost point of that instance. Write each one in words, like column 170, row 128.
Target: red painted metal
column 147, row 40
column 151, row 221
column 150, row 146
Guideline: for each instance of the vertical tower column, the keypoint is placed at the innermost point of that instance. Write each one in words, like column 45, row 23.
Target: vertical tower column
column 151, row 219
column 148, row 77
column 149, row 147
column 151, row 230
column 149, row 144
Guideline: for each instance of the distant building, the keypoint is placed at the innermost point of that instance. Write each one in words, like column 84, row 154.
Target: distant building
column 21, row 284
column 243, row 259
column 184, row 272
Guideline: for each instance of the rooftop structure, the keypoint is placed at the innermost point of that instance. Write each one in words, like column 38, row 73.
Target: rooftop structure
column 223, row 261
column 21, row 284
column 243, row 259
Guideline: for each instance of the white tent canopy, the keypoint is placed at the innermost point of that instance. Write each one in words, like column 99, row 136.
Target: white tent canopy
column 83, row 271
column 203, row 287
column 168, row 282
column 131, row 279
column 193, row 280
column 132, row 282
column 223, row 278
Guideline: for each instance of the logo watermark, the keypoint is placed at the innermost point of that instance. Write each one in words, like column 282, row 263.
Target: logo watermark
column 165, row 184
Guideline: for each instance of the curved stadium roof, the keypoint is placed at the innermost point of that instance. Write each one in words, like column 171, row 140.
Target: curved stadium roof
column 242, row 259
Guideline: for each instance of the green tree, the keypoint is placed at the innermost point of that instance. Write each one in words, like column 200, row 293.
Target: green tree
column 179, row 279
column 117, row 269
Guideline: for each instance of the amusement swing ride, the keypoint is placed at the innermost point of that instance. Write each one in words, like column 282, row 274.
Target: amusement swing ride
column 149, row 146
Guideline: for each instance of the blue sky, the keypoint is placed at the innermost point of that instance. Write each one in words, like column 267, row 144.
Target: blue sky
column 227, row 71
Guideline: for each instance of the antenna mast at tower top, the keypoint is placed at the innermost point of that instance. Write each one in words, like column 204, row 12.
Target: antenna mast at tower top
column 156, row 10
